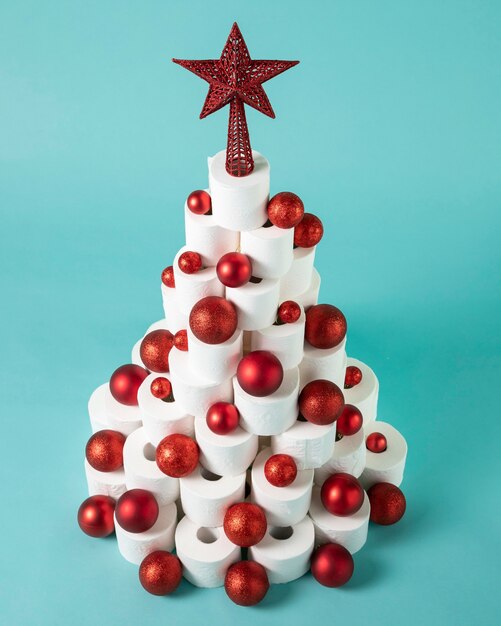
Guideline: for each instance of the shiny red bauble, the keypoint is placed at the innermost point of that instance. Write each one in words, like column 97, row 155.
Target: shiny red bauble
column 387, row 503
column 168, row 277
column 177, row 455
column 321, row 402
column 260, row 373
column 342, row 494
column 104, row 450
column 161, row 388
column 95, row 516
column 234, row 269
column 280, row 470
column 350, row 421
column 199, row 202
column 213, row 319
column 325, row 326
column 245, row 524
column 136, row 510
column 190, row 262
column 332, row 565
column 125, row 382
column 308, row 232
column 352, row 377
column 181, row 340
column 289, row 312
column 285, row 209
column 246, row 583
column 222, row 418
column 160, row 573
column 376, row 442
column 155, row 349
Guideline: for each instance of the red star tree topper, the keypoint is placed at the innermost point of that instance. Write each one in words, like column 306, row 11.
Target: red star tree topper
column 236, row 79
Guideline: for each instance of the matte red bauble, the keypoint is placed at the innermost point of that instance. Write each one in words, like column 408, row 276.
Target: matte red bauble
column 387, row 503
column 285, row 209
column 213, row 319
column 136, row 510
column 190, row 262
column 181, row 340
column 376, row 442
column 161, row 388
column 352, row 377
column 245, row 524
column 160, row 573
column 342, row 494
column 260, row 373
column 325, row 326
column 234, row 269
column 177, row 455
column 350, row 421
column 104, row 450
column 246, row 583
column 155, row 349
column 280, row 470
column 289, row 312
column 95, row 516
column 332, row 565
column 222, row 418
column 125, row 382
column 199, row 202
column 308, row 232
column 168, row 277
column 321, row 402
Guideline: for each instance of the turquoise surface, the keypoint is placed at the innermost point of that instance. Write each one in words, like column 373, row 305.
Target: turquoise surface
column 389, row 129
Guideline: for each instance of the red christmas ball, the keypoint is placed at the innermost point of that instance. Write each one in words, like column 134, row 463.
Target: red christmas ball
column 246, row 583
column 234, row 269
column 136, row 510
column 213, row 319
column 125, row 381
column 168, row 277
column 190, row 262
column 341, row 494
column 95, row 516
column 260, row 373
column 321, row 402
column 352, row 377
column 325, row 326
column 245, row 524
column 181, row 340
column 387, row 503
column 161, row 388
column 177, row 455
column 280, row 470
column 160, row 573
column 222, row 418
column 376, row 442
column 308, row 232
column 155, row 349
column 199, row 202
column 350, row 421
column 285, row 209
column 104, row 450
column 289, row 312
column 332, row 565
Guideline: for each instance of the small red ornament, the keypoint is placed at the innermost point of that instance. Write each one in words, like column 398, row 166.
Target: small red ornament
column 308, row 232
column 332, row 565
column 104, row 450
column 136, row 510
column 213, row 319
column 125, row 381
column 160, row 573
column 342, row 494
column 245, row 524
column 181, row 340
column 352, row 377
column 325, row 326
column 190, row 262
column 246, row 583
column 350, row 421
column 95, row 516
column 289, row 312
column 155, row 349
column 387, row 503
column 285, row 209
column 321, row 402
column 222, row 418
column 376, row 442
column 168, row 277
column 280, row 470
column 161, row 388
column 234, row 269
column 199, row 202
column 177, row 455
column 260, row 373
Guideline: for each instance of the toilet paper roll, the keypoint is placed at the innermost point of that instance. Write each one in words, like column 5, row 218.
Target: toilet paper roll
column 105, row 483
column 205, row 496
column 206, row 553
column 174, row 317
column 284, row 506
column 329, row 364
column 285, row 552
column 161, row 418
column 215, row 362
column 348, row 456
column 387, row 466
column 134, row 547
column 310, row 296
column 284, row 340
column 364, row 395
column 141, row 470
column 225, row 455
column 349, row 531
column 97, row 408
column 256, row 303
column 298, row 278
column 121, row 417
column 270, row 250
column 269, row 415
column 135, row 356
column 239, row 203
column 309, row 444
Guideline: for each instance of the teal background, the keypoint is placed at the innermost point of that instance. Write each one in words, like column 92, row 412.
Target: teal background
column 389, row 129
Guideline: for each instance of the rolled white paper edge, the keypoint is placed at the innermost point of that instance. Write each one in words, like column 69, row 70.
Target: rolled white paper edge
column 310, row 296
column 286, row 341
column 121, row 417
column 364, row 395
column 105, row 483
column 299, row 277
column 256, row 303
column 348, row 456
column 308, row 444
column 328, row 364
column 215, row 362
column 269, row 249
column 97, row 408
column 387, row 466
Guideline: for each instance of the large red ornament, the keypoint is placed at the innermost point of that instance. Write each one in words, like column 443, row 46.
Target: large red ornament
column 321, row 402
column 213, row 319
column 236, row 79
column 342, row 494
column 352, row 377
column 136, row 510
column 177, row 455
column 308, row 232
column 234, row 269
column 155, row 349
column 325, row 326
column 350, row 421
column 280, row 470
column 285, row 210
column 289, row 312
column 104, row 450
column 245, row 524
column 181, row 340
column 95, row 516
column 376, row 442
column 161, row 388
column 332, row 565
column 168, row 277
column 199, row 202
column 222, row 418
column 190, row 262
column 387, row 503
column 160, row 573
column 260, row 373
column 125, row 382
column 246, row 583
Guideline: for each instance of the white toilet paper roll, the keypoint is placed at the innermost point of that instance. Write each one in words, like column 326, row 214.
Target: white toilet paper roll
column 387, row 466
column 284, row 340
column 269, row 249
column 269, row 415
column 105, row 483
column 135, row 356
column 239, row 203
column 285, row 552
column 284, row 506
column 215, row 362
column 349, row 531
column 174, row 317
column 310, row 445
column 206, row 553
column 298, row 278
column 348, row 456
column 121, row 417
column 364, row 395
column 97, row 408
column 310, row 296
column 256, row 303
column 206, row 497
column 329, row 364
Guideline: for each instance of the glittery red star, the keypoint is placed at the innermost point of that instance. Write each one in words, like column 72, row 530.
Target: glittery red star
column 236, row 79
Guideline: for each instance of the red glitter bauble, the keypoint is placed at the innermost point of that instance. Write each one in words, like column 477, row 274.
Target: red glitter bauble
column 177, row 455
column 387, row 503
column 161, row 388
column 350, row 421
column 285, row 209
column 376, row 442
column 222, row 418
column 332, row 565
column 325, row 326
column 199, row 202
column 95, row 516
column 190, row 262
column 260, row 373
column 342, row 494
column 308, row 232
column 136, row 510
column 213, row 319
column 246, row 583
column 289, row 312
column 168, row 277
column 280, row 470
column 321, row 402
column 181, row 340
column 245, row 524
column 104, row 450
column 352, row 377
column 160, row 573
column 234, row 269
column 125, row 381
column 155, row 349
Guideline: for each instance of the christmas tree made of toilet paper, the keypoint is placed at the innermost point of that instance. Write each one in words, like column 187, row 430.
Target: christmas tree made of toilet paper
column 240, row 435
